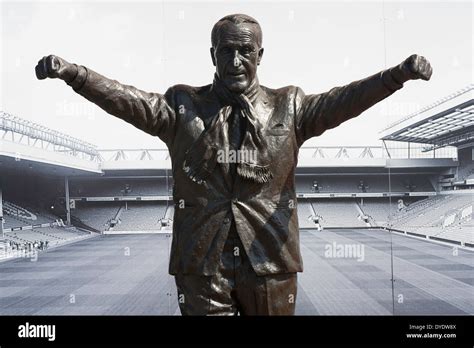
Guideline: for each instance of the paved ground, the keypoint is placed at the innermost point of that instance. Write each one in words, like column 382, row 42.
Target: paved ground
column 127, row 275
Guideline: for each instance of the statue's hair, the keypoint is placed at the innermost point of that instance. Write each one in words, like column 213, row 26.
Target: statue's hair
column 236, row 19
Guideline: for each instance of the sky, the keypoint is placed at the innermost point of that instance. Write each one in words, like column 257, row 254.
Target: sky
column 153, row 45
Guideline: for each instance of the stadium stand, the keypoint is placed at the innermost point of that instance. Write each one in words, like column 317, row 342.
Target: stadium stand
column 98, row 215
column 29, row 227
column 403, row 216
column 20, row 216
column 338, row 212
column 380, row 209
column 377, row 210
column 437, row 216
column 431, row 211
column 140, row 216
column 123, row 216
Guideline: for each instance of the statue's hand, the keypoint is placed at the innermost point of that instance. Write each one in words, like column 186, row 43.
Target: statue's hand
column 413, row 68
column 419, row 67
column 55, row 67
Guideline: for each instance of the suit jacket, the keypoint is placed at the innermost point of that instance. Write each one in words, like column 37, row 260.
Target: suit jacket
column 265, row 214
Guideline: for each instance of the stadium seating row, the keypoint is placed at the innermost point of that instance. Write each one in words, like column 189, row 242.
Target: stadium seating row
column 141, row 216
column 356, row 183
column 131, row 216
column 120, row 187
column 16, row 215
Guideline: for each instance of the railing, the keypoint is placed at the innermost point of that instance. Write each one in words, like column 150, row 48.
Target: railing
column 23, row 131
column 410, row 150
column 335, row 152
column 133, row 154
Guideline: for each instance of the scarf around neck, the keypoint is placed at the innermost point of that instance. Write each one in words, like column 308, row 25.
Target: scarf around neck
column 201, row 159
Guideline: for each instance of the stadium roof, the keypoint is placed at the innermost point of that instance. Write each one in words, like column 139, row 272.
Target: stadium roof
column 30, row 147
column 447, row 122
column 21, row 130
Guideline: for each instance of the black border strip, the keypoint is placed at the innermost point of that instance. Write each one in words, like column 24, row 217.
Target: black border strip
column 315, row 330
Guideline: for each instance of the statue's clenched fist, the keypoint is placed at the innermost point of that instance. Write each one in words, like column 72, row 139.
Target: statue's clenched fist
column 413, row 68
column 55, row 67
column 419, row 67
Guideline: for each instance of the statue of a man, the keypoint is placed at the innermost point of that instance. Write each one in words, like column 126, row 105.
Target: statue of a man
column 234, row 149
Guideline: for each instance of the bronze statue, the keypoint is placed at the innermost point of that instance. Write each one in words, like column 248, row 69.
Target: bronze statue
column 234, row 148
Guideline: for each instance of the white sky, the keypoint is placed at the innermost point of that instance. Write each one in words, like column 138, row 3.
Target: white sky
column 154, row 45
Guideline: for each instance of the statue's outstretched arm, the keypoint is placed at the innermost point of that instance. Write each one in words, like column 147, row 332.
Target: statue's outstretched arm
column 319, row 112
column 150, row 112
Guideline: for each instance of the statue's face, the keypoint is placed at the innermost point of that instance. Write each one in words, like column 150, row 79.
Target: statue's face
column 237, row 55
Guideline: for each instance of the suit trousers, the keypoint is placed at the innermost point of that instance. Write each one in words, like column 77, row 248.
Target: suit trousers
column 236, row 288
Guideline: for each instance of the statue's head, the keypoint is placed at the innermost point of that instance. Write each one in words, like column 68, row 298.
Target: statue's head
column 236, row 50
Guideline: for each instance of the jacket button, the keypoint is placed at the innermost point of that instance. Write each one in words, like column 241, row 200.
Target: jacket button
column 226, row 220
